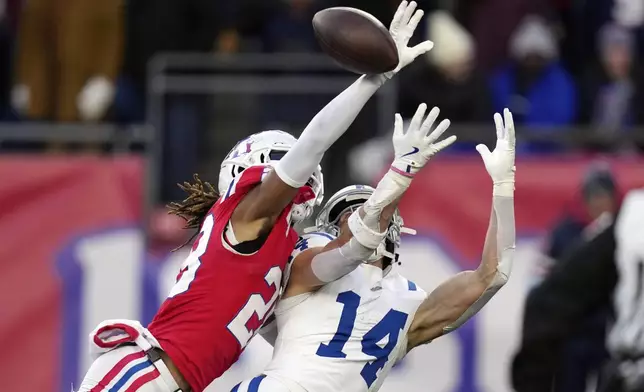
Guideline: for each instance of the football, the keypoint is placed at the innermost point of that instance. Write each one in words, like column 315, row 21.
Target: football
column 356, row 40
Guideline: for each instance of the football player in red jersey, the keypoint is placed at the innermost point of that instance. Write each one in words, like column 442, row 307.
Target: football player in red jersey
column 232, row 278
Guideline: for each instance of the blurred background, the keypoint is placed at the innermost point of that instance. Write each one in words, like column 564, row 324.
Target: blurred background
column 105, row 105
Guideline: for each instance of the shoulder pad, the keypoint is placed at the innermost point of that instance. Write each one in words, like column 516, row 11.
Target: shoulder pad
column 311, row 240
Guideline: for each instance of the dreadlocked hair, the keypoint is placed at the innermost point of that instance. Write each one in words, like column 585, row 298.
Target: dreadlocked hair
column 194, row 208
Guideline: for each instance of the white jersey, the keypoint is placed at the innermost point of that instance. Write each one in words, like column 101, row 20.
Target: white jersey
column 347, row 335
column 627, row 335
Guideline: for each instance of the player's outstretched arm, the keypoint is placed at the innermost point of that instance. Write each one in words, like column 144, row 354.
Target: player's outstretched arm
column 368, row 225
column 458, row 299
column 264, row 204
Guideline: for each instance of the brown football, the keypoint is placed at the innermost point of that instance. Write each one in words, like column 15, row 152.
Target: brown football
column 356, row 40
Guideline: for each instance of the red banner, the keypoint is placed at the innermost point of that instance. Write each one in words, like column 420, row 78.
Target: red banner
column 452, row 198
column 45, row 202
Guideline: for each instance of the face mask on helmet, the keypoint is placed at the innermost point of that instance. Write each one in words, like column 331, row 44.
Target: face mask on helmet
column 349, row 200
column 267, row 148
column 309, row 197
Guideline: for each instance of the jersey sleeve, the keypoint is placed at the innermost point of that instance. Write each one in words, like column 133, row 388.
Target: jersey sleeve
column 249, row 178
column 306, row 241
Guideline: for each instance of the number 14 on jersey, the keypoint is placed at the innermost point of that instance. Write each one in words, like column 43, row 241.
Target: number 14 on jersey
column 389, row 327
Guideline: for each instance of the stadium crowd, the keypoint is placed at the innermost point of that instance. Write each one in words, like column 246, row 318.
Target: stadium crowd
column 553, row 62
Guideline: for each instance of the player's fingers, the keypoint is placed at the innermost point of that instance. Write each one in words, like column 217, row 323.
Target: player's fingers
column 395, row 22
column 409, row 11
column 413, row 23
column 429, row 121
column 438, row 131
column 422, row 48
column 498, row 123
column 398, row 125
column 414, row 125
column 445, row 143
column 484, row 151
column 509, row 126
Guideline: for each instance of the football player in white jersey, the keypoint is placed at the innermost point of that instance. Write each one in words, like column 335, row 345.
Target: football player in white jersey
column 348, row 334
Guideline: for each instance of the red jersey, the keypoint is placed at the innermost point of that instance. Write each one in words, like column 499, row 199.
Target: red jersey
column 221, row 297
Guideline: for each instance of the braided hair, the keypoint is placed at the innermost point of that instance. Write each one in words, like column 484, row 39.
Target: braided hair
column 194, row 208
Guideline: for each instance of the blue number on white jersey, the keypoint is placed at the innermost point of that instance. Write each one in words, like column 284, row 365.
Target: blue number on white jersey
column 390, row 326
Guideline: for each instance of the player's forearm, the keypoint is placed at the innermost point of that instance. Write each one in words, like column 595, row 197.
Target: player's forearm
column 490, row 255
column 369, row 224
column 495, row 269
column 444, row 306
column 325, row 128
column 461, row 297
column 318, row 266
column 333, row 264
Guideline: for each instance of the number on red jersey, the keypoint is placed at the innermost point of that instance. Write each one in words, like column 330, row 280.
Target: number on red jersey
column 249, row 319
column 192, row 263
column 244, row 326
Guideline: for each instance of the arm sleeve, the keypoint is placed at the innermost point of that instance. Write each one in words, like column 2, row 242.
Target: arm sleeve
column 327, row 126
column 335, row 263
column 505, row 245
column 579, row 283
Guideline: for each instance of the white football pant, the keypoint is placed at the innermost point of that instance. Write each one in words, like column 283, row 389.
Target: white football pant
column 265, row 383
column 126, row 369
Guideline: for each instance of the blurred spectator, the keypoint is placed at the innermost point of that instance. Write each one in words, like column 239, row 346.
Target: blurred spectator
column 579, row 23
column 7, row 20
column 534, row 86
column 281, row 26
column 584, row 352
column 492, row 23
column 447, row 76
column 156, row 26
column 185, row 26
column 629, row 13
column 68, row 58
column 606, row 270
column 598, row 195
column 613, row 91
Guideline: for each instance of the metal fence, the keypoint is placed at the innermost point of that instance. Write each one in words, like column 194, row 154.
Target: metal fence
column 300, row 75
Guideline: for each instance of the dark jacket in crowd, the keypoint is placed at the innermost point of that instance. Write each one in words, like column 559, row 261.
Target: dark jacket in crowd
column 595, row 82
column 154, row 26
column 579, row 284
column 466, row 102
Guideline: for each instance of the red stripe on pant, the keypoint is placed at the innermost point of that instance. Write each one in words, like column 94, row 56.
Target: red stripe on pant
column 117, row 369
column 147, row 377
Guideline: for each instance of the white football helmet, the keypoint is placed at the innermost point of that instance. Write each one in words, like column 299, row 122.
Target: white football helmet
column 266, row 148
column 349, row 199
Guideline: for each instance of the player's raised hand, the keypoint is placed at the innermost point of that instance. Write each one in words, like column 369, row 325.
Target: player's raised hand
column 415, row 147
column 401, row 29
column 500, row 162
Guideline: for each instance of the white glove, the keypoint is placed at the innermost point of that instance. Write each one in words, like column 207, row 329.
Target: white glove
column 401, row 29
column 415, row 147
column 95, row 98
column 500, row 162
column 412, row 151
